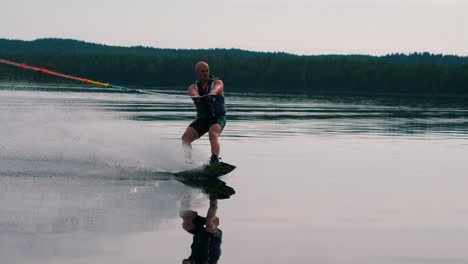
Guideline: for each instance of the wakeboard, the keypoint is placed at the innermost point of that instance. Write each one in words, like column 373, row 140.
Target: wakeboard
column 207, row 171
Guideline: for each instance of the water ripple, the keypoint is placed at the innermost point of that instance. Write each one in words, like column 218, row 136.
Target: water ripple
column 264, row 116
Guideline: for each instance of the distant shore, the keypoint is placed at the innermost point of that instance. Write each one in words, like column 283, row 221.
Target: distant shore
column 420, row 74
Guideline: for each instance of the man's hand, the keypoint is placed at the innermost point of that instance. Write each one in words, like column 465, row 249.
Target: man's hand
column 206, row 96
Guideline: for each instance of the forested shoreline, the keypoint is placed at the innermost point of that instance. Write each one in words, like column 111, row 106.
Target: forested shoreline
column 242, row 71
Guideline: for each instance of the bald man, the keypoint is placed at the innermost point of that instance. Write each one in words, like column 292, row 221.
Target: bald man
column 208, row 95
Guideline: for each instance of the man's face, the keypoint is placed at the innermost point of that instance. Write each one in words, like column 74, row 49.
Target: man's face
column 187, row 219
column 203, row 72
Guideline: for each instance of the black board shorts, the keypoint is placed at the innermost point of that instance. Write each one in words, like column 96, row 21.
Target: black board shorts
column 203, row 125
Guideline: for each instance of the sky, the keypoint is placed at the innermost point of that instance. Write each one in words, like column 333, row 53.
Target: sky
column 375, row 27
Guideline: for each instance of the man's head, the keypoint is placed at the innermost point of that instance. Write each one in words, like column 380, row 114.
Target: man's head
column 187, row 219
column 202, row 71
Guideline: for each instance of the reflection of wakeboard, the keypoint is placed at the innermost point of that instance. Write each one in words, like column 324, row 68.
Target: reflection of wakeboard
column 207, row 171
column 214, row 187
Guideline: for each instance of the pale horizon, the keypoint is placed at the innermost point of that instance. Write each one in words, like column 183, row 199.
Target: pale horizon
column 298, row 27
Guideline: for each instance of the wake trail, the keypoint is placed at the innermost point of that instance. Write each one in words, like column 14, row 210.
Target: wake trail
column 53, row 139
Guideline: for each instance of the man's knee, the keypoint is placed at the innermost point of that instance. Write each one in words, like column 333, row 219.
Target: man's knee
column 185, row 139
column 212, row 224
column 188, row 137
column 214, row 132
column 213, row 135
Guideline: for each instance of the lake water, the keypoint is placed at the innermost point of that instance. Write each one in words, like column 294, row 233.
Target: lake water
column 318, row 179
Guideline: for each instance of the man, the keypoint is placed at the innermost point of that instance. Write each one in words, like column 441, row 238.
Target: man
column 208, row 95
column 207, row 237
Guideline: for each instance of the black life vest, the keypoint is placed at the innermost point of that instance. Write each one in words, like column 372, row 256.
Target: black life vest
column 209, row 107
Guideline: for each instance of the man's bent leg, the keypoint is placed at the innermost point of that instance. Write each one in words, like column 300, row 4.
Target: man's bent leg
column 188, row 137
column 214, row 133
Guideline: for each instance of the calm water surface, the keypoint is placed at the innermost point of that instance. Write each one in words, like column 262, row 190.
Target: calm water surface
column 319, row 179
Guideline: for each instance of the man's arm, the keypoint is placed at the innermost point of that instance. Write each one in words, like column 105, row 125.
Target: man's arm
column 212, row 221
column 218, row 88
column 212, row 210
column 192, row 91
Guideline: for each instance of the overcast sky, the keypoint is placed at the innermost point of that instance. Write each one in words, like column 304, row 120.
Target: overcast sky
column 297, row 26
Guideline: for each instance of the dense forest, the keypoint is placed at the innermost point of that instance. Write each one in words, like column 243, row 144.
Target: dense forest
column 242, row 71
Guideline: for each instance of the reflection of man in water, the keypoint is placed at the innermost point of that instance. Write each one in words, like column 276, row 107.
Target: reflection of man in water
column 206, row 245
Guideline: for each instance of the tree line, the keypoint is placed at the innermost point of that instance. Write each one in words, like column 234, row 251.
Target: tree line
column 242, row 71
